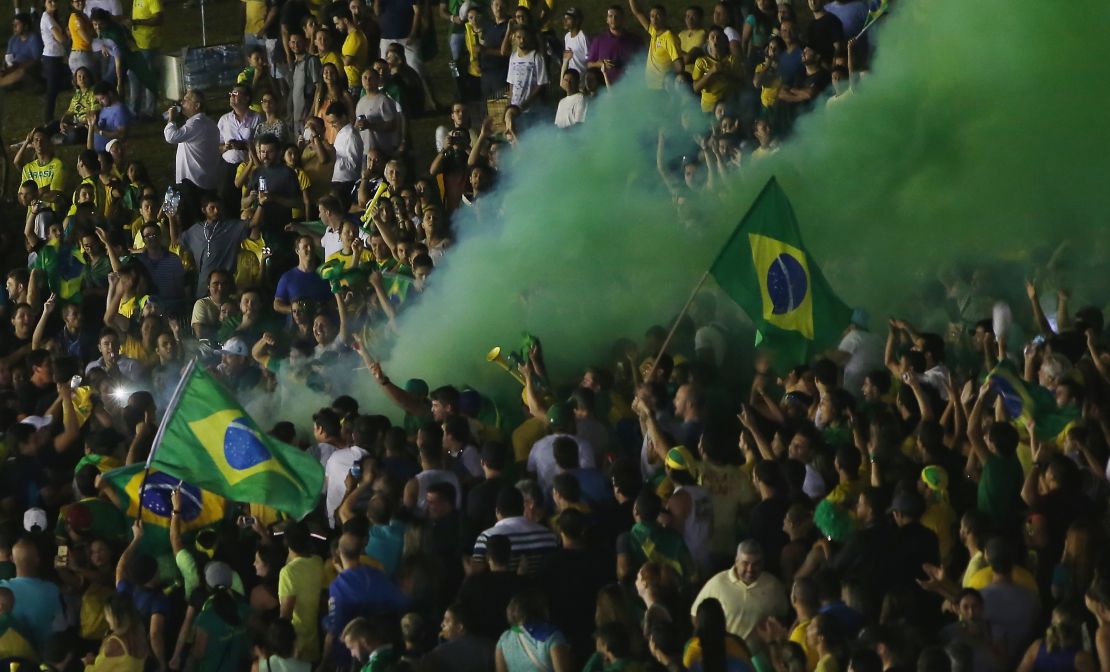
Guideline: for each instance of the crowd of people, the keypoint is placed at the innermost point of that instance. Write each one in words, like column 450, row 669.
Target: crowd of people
column 883, row 506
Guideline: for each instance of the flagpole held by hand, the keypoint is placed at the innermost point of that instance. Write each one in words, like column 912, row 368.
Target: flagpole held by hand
column 674, row 327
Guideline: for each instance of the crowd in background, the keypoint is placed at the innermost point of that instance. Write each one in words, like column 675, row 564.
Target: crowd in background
column 876, row 508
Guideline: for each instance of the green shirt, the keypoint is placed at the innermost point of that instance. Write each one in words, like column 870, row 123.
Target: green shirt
column 382, row 660
column 999, row 494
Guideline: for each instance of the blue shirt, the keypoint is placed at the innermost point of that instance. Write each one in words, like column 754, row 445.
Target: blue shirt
column 594, row 484
column 359, row 591
column 147, row 602
column 37, row 603
column 386, row 544
column 296, row 284
column 23, row 50
column 791, row 68
column 112, row 118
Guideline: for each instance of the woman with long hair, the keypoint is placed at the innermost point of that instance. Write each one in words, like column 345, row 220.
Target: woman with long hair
column 125, row 648
column 53, row 55
column 273, row 119
column 1061, row 647
column 333, row 90
column 220, row 639
column 758, row 28
column 713, row 648
column 1077, row 564
column 81, row 36
column 268, row 561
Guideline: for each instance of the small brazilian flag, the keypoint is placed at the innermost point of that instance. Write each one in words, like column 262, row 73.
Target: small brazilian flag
column 199, row 509
column 208, row 439
column 1025, row 401
column 396, row 286
column 765, row 268
column 62, row 267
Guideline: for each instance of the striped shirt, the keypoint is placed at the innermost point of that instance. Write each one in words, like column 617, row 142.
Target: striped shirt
column 527, row 540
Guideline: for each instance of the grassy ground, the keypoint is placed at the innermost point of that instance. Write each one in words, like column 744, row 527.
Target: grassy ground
column 224, row 22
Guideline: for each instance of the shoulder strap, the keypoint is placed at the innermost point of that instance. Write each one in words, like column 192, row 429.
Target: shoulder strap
column 530, row 653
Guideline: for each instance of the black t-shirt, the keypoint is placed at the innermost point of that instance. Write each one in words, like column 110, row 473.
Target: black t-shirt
column 495, row 68
column 766, row 528
column 280, row 180
column 481, row 505
column 273, row 32
column 292, row 13
column 35, row 400
column 823, row 34
column 817, row 82
column 487, row 594
column 395, row 18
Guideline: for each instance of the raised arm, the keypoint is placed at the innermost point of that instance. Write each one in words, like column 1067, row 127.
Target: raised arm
column 1038, row 313
column 641, row 18
column 113, row 258
column 40, row 326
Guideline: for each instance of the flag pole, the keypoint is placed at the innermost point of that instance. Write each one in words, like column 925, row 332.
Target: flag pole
column 674, row 327
column 162, row 428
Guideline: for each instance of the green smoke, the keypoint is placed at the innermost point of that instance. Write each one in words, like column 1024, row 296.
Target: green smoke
column 976, row 142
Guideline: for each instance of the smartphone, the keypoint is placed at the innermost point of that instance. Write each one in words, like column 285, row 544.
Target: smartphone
column 356, row 471
column 247, row 521
column 62, row 558
column 262, row 185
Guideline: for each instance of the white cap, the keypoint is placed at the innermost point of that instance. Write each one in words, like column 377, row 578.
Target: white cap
column 33, row 518
column 111, row 143
column 235, row 346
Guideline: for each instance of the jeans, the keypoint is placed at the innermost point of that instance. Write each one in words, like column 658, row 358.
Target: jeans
column 140, row 99
column 56, row 73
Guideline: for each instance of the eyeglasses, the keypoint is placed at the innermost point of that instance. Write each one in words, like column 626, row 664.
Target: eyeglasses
column 233, row 94
column 148, row 236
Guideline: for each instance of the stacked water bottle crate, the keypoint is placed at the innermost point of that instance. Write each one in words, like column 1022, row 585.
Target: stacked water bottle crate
column 214, row 67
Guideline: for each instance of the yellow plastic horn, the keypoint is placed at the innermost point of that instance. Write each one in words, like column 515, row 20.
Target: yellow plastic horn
column 494, row 356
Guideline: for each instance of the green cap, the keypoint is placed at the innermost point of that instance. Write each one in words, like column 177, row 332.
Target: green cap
column 416, row 387
column 559, row 413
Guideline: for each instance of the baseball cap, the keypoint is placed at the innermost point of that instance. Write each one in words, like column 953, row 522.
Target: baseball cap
column 217, row 574
column 559, row 413
column 33, row 518
column 235, row 346
column 111, row 143
column 861, row 318
column 470, row 402
column 78, row 517
column 573, row 11
column 909, row 503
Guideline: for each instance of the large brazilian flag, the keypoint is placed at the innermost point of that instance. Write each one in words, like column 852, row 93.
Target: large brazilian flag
column 207, row 439
column 765, row 268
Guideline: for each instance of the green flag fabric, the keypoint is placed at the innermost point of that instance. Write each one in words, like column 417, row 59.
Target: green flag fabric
column 765, row 268
column 207, row 439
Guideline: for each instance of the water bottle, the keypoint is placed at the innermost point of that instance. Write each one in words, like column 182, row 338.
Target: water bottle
column 171, row 201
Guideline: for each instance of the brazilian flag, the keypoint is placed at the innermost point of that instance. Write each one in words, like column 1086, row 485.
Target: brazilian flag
column 151, row 500
column 1024, row 401
column 396, row 286
column 207, row 439
column 765, row 268
column 63, row 268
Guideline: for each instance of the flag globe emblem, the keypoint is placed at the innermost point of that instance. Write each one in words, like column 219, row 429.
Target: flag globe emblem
column 156, row 496
column 242, row 447
column 787, row 283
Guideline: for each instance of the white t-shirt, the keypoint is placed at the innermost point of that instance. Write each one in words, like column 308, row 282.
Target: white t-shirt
column 579, row 48
column 571, row 110
column 348, row 155
column 335, row 476
column 712, row 337
column 50, row 45
column 866, row 350
column 526, row 74
column 541, row 459
column 378, row 107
